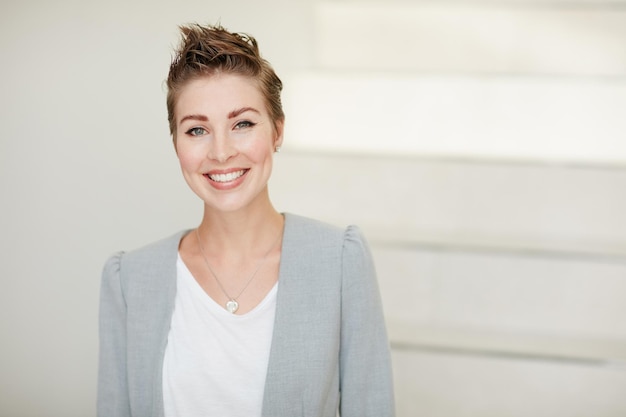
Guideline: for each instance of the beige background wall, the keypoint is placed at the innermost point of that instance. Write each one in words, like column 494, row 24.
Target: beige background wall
column 487, row 167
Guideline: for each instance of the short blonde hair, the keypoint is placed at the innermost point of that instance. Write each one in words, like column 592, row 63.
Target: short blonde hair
column 208, row 50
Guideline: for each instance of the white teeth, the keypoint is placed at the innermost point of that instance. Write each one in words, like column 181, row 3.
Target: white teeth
column 231, row 176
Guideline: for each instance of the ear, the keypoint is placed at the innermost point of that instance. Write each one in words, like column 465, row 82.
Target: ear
column 279, row 127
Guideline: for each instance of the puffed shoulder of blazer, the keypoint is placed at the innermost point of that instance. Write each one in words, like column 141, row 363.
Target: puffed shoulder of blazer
column 329, row 346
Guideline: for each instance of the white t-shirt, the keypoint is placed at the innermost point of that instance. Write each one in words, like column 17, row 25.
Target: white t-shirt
column 215, row 362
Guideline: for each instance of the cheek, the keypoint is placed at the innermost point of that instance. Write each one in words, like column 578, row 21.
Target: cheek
column 259, row 150
column 259, row 153
column 187, row 158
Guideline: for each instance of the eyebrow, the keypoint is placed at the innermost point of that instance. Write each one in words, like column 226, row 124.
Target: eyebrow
column 198, row 117
column 231, row 115
column 237, row 112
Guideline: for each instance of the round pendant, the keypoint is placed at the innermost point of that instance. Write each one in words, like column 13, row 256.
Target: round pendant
column 232, row 306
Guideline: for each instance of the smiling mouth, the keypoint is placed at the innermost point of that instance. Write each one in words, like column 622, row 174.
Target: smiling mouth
column 231, row 176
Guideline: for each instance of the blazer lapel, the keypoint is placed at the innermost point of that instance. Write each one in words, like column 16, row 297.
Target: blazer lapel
column 283, row 388
column 153, row 291
column 305, row 327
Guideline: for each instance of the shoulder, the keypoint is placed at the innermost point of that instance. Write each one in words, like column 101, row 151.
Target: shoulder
column 314, row 237
column 149, row 254
column 307, row 229
column 145, row 262
column 146, row 254
column 305, row 226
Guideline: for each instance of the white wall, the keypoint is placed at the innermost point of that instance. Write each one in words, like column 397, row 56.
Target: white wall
column 87, row 168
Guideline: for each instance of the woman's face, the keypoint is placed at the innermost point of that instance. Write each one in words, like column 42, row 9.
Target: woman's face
column 225, row 140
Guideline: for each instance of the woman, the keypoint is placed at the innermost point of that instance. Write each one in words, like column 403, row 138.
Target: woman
column 254, row 312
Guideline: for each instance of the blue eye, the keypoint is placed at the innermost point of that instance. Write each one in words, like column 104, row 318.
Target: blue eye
column 196, row 131
column 243, row 124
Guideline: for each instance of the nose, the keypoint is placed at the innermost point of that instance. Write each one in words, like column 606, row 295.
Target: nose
column 221, row 149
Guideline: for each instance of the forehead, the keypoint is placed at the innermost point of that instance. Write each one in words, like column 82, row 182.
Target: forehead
column 218, row 95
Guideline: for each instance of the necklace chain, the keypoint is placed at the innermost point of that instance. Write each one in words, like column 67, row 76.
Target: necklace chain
column 232, row 305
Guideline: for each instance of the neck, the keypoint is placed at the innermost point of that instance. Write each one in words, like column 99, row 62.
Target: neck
column 245, row 233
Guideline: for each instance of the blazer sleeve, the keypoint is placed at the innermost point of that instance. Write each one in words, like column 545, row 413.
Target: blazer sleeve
column 112, row 398
column 366, row 381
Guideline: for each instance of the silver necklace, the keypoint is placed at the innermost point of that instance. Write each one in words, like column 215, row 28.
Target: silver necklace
column 232, row 305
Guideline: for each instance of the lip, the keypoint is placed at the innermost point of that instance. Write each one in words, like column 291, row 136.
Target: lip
column 229, row 184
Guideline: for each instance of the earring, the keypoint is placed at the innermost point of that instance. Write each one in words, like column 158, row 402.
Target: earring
column 277, row 149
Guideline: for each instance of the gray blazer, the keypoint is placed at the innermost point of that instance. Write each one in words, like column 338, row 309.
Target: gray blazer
column 329, row 348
